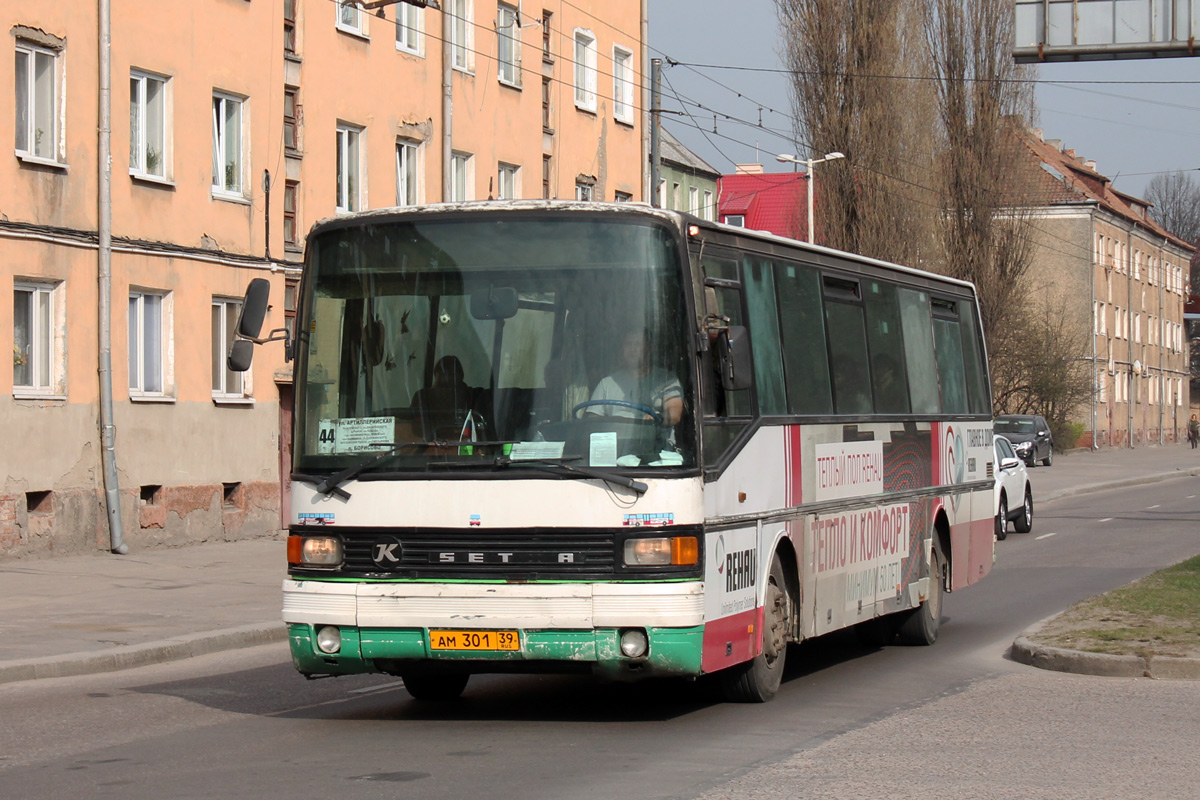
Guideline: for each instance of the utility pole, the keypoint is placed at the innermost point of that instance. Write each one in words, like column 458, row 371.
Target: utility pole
column 655, row 130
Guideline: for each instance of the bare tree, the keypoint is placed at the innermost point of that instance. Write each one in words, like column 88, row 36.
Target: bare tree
column 1176, row 199
column 853, row 64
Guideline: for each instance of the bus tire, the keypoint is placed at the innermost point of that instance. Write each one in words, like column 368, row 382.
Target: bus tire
column 435, row 688
column 757, row 680
column 920, row 626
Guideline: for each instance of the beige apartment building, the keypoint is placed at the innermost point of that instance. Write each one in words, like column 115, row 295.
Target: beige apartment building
column 233, row 125
column 1107, row 267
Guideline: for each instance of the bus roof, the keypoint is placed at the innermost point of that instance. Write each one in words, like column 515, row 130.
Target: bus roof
column 676, row 218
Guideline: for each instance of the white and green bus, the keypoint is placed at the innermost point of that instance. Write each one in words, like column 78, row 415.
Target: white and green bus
column 609, row 439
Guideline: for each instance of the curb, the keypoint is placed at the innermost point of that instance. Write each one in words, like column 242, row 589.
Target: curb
column 1074, row 491
column 1026, row 651
column 141, row 655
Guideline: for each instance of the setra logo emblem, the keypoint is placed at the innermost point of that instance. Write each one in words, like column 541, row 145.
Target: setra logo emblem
column 386, row 552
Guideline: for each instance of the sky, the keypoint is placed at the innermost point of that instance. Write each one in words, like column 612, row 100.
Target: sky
column 1131, row 130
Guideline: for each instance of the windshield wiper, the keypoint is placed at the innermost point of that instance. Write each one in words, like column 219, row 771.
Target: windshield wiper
column 556, row 466
column 333, row 483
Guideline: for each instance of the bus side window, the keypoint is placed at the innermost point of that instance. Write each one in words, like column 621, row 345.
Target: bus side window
column 886, row 340
column 759, row 285
column 977, row 390
column 847, row 336
column 802, row 327
column 721, row 408
column 947, row 340
column 918, row 351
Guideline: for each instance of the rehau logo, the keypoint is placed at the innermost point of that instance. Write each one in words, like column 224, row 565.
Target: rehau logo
column 740, row 569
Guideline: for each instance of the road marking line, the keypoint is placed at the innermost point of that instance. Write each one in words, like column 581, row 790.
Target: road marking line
column 1106, row 519
column 1153, row 506
column 380, row 688
column 1047, row 535
column 1189, row 497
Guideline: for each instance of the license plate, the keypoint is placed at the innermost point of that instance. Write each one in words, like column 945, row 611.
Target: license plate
column 474, row 640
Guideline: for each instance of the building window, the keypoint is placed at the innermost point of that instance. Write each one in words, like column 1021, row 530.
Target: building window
column 225, row 382
column 623, row 85
column 147, row 125
column 291, row 112
column 546, row 126
column 507, row 187
column 693, row 200
column 227, row 143
column 584, row 191
column 146, row 343
column 35, row 329
column 585, row 70
column 547, row 171
column 708, row 211
column 37, row 98
column 460, row 33
column 349, row 168
column 460, row 174
column 508, row 46
column 291, row 224
column 289, row 27
column 408, row 28
column 350, row 18
column 736, row 220
column 406, row 173
column 622, row 197
column 547, row 49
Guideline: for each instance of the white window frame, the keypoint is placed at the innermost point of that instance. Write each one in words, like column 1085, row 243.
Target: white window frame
column 227, row 384
column 408, row 172
column 508, row 181
column 694, row 200
column 508, row 45
column 462, row 35
column 708, row 205
column 410, row 25
column 222, row 140
column 348, row 169
column 34, row 143
column 585, row 60
column 350, row 18
column 43, row 349
column 462, row 177
column 141, row 134
column 585, row 192
column 736, row 220
column 139, row 369
column 622, row 59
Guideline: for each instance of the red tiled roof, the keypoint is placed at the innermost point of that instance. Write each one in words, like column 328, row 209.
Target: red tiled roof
column 775, row 202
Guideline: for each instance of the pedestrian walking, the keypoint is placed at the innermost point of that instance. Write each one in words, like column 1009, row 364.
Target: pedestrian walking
column 1193, row 431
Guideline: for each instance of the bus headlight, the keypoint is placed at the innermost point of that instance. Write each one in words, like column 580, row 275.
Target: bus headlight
column 314, row 551
column 633, row 643
column 329, row 639
column 662, row 551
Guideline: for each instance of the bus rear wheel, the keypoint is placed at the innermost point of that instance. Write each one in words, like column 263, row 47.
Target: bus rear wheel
column 921, row 625
column 436, row 688
column 757, row 680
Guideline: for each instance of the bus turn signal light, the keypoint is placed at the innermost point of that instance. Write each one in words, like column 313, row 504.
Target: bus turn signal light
column 662, row 551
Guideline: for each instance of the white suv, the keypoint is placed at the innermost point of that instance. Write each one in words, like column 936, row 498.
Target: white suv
column 1014, row 497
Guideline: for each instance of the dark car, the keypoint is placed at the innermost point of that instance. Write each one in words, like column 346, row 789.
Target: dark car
column 1030, row 436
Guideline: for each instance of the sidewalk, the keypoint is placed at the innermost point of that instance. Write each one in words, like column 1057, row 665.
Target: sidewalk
column 102, row 612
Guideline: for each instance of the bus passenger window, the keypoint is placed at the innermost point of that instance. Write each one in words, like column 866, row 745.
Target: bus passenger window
column 848, row 351
column 947, row 341
column 802, row 330
column 977, row 395
column 918, row 351
column 759, row 285
column 887, row 348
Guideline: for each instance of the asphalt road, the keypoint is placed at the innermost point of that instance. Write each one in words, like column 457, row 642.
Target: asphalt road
column 957, row 718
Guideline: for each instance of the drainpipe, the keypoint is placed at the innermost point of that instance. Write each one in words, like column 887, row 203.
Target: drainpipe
column 646, row 105
column 447, row 105
column 1133, row 394
column 108, row 434
column 1095, row 328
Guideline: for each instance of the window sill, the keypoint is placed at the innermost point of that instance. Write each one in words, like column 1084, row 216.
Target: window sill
column 585, row 108
column 626, row 121
column 464, row 71
column 152, row 398
column 29, row 394
column 233, row 400
column 152, row 180
column 41, row 162
column 356, row 34
column 293, row 57
column 414, row 53
column 509, row 84
column 230, row 197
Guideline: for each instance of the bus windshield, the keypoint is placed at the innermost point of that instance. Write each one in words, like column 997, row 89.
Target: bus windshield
column 438, row 342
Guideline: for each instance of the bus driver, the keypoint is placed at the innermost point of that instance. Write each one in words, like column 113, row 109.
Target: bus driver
column 638, row 382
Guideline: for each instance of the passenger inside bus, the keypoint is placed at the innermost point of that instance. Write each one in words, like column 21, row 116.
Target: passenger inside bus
column 442, row 408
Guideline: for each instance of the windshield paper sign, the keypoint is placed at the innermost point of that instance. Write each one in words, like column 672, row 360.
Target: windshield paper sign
column 355, row 435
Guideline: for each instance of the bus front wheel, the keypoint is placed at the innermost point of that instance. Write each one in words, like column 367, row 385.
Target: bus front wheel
column 921, row 625
column 435, row 687
column 757, row 680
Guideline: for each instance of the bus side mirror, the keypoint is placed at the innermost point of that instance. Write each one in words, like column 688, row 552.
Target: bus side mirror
column 734, row 360
column 240, row 355
column 249, row 326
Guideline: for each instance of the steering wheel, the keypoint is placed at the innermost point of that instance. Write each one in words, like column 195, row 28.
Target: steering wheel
column 657, row 417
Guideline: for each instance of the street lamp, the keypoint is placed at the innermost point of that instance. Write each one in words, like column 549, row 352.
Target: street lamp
column 808, row 162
